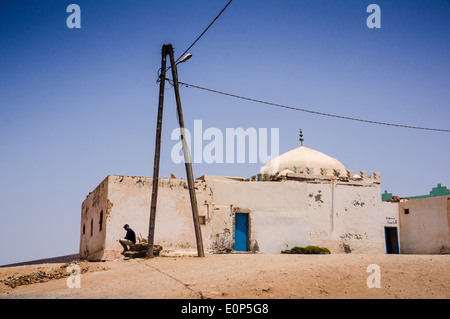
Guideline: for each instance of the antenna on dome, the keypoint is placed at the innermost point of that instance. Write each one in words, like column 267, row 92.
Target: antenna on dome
column 301, row 137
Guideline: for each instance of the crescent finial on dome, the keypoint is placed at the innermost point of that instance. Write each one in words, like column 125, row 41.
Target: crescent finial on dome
column 301, row 137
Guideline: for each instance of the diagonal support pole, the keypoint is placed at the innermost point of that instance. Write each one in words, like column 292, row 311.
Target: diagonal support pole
column 187, row 157
column 151, row 231
column 168, row 50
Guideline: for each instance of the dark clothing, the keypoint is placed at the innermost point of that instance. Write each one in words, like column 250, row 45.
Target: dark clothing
column 131, row 236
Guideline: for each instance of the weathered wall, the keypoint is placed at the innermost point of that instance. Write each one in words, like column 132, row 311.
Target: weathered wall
column 277, row 221
column 274, row 232
column 334, row 214
column 390, row 214
column 277, row 211
column 130, row 197
column 345, row 216
column 426, row 229
column 92, row 239
column 218, row 233
column 390, row 218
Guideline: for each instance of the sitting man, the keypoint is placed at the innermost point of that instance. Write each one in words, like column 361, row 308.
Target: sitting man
column 130, row 238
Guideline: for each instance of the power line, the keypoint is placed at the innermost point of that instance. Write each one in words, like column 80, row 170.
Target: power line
column 198, row 38
column 311, row 111
column 203, row 32
column 285, row 106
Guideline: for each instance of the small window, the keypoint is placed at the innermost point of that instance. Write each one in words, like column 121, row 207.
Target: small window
column 101, row 220
column 406, row 211
column 84, row 229
column 202, row 220
column 92, row 227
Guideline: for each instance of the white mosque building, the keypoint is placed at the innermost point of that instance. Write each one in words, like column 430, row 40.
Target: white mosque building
column 302, row 197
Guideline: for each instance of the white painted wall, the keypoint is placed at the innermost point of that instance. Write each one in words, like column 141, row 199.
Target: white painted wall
column 390, row 214
column 426, row 229
column 390, row 218
column 345, row 216
column 282, row 214
column 131, row 197
column 95, row 203
column 277, row 211
column 273, row 232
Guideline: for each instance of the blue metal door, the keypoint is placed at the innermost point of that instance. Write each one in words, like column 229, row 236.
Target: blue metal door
column 241, row 232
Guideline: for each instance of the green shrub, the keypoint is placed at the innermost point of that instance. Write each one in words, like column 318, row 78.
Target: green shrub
column 307, row 250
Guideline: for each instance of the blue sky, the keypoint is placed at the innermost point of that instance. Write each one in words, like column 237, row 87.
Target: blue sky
column 79, row 104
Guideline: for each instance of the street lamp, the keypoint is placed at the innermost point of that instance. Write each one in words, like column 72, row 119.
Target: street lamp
column 185, row 58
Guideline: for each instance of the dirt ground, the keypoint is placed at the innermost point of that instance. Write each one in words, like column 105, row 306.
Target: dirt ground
column 242, row 276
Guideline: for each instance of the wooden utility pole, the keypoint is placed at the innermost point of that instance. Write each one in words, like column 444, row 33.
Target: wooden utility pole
column 151, row 230
column 187, row 157
column 168, row 49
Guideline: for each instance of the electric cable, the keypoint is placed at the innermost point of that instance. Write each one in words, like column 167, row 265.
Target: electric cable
column 310, row 111
column 198, row 38
column 193, row 43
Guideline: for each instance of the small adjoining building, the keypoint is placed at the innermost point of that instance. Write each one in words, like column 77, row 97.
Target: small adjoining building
column 424, row 222
column 303, row 197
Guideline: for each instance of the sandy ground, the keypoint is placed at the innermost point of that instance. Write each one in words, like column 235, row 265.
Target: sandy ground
column 245, row 276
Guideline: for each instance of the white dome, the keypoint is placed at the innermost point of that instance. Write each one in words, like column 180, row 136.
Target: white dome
column 285, row 172
column 302, row 158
